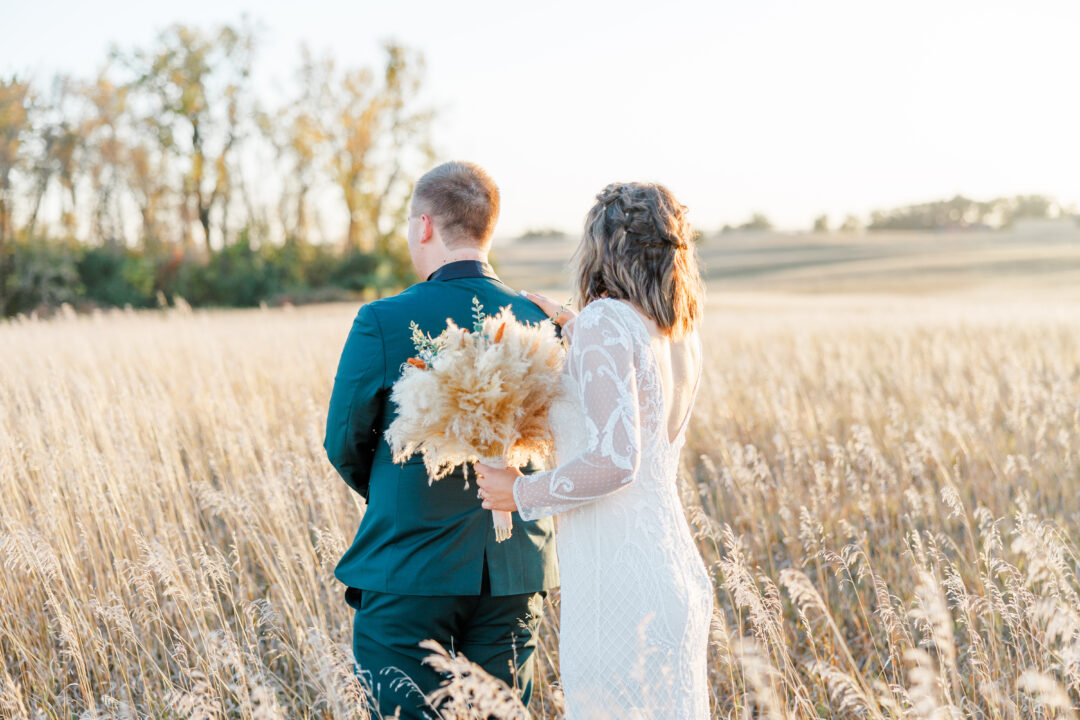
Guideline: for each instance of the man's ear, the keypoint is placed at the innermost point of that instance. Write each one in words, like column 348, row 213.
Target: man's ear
column 427, row 228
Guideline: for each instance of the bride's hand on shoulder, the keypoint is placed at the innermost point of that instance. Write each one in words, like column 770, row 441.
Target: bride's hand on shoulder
column 496, row 487
column 559, row 314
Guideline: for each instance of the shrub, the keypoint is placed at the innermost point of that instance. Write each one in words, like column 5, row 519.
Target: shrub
column 42, row 273
column 117, row 276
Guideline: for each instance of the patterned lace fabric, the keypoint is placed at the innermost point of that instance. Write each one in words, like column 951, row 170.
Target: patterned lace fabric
column 636, row 599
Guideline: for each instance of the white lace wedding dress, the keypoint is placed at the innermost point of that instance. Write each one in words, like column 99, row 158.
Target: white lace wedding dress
column 636, row 598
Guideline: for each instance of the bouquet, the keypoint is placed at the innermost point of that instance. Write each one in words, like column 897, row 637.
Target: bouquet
column 480, row 395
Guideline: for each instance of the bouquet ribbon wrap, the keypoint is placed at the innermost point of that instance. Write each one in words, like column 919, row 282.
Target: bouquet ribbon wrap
column 502, row 520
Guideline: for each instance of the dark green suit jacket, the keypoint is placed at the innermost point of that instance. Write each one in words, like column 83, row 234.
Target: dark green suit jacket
column 416, row 538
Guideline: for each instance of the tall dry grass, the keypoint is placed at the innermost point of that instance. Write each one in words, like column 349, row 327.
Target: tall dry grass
column 888, row 497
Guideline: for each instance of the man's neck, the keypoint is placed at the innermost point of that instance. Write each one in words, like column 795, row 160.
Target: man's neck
column 461, row 254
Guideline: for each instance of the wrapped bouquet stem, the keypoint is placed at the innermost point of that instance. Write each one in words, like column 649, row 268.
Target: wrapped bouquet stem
column 502, row 520
column 480, row 395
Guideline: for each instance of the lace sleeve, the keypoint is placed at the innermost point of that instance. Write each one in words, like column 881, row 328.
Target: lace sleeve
column 601, row 359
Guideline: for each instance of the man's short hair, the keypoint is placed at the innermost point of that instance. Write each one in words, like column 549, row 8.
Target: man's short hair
column 465, row 200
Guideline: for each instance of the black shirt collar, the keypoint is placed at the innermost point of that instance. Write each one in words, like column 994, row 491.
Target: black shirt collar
column 463, row 269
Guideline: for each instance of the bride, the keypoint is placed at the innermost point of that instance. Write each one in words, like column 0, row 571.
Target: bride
column 636, row 599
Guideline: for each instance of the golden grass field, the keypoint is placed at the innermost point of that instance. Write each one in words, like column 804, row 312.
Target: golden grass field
column 886, row 488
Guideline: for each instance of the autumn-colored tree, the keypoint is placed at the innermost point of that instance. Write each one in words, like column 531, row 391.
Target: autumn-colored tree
column 148, row 182
column 15, row 98
column 197, row 86
column 154, row 140
column 364, row 133
column 60, row 126
column 374, row 136
column 296, row 132
column 106, row 154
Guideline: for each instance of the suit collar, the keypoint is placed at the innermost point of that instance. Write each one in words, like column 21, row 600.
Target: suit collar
column 463, row 269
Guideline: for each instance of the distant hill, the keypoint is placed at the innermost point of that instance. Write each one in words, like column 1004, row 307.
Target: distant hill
column 1040, row 254
column 547, row 235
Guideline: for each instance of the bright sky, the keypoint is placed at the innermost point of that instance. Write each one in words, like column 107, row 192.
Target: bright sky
column 789, row 108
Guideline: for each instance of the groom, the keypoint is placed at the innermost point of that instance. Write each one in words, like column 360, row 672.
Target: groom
column 424, row 563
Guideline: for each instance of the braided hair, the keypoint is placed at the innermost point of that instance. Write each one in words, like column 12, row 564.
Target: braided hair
column 638, row 246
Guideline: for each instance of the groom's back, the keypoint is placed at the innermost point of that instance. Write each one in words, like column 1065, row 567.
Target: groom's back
column 422, row 538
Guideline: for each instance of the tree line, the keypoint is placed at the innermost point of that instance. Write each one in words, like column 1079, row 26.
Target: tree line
column 166, row 175
column 956, row 213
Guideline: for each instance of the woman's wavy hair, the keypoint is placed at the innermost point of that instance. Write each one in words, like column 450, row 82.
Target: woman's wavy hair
column 638, row 246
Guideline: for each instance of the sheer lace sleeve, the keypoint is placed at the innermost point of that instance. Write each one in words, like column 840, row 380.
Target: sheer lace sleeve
column 601, row 360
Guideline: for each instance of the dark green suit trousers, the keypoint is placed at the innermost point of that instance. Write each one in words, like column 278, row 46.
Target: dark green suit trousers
column 496, row 632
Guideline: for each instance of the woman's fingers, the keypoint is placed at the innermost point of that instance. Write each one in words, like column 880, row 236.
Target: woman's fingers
column 549, row 306
column 558, row 313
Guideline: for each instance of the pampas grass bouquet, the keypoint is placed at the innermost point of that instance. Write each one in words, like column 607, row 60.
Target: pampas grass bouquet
column 480, row 395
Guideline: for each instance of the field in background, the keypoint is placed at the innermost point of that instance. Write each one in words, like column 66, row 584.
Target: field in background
column 1035, row 255
column 885, row 486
